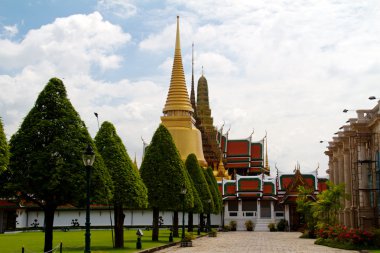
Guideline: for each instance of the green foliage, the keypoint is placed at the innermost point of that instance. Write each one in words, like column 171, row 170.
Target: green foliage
column 129, row 189
column 199, row 179
column 282, row 224
column 164, row 174
column 218, row 203
column 233, row 225
column 342, row 237
column 248, row 225
column 46, row 162
column 4, row 149
column 73, row 241
column 216, row 197
column 188, row 237
column 305, row 206
column 272, row 227
column 328, row 204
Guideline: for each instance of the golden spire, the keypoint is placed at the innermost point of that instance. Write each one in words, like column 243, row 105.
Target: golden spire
column 178, row 98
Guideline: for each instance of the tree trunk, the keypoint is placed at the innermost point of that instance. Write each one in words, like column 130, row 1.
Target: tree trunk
column 49, row 221
column 175, row 224
column 190, row 227
column 208, row 222
column 156, row 213
column 119, row 226
column 201, row 222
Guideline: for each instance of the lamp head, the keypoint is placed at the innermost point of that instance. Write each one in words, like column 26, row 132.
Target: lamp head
column 88, row 156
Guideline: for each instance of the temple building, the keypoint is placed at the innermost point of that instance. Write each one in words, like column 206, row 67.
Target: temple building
column 241, row 166
column 354, row 159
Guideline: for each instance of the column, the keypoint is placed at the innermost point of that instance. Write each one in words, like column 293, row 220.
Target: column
column 336, row 171
column 341, row 180
column 331, row 169
column 258, row 209
column 272, row 214
column 240, row 208
column 348, row 189
column 363, row 182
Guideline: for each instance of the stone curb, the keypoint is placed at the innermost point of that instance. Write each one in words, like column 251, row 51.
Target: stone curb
column 166, row 246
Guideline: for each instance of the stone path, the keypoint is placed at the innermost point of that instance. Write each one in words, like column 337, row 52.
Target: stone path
column 249, row 242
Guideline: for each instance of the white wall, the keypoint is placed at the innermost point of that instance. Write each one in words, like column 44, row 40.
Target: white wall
column 102, row 218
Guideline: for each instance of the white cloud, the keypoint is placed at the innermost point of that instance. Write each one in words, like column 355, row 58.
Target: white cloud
column 120, row 8
column 73, row 44
column 9, row 31
column 69, row 48
column 288, row 67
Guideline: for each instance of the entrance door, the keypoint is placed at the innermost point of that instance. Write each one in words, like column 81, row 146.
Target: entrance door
column 294, row 217
column 265, row 211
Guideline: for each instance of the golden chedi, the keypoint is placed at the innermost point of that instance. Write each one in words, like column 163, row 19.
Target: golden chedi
column 178, row 112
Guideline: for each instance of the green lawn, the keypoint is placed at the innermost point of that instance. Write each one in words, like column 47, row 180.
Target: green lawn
column 73, row 241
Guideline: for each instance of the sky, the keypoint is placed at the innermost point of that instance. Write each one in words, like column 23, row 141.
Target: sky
column 285, row 67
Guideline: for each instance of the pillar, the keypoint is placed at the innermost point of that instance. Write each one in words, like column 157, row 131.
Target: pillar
column 341, row 180
column 348, row 189
column 258, row 209
column 272, row 214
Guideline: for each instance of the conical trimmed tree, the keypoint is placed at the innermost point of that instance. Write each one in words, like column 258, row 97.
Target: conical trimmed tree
column 215, row 207
column 163, row 173
column 129, row 189
column 4, row 149
column 46, row 163
column 200, row 184
column 218, row 205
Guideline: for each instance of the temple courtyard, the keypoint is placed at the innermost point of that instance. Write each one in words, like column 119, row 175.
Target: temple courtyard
column 249, row 242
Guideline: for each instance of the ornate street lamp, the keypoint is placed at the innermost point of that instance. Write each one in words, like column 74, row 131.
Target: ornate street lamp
column 88, row 160
column 183, row 193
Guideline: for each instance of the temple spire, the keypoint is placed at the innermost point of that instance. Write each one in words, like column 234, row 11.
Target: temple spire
column 266, row 154
column 178, row 98
column 192, row 93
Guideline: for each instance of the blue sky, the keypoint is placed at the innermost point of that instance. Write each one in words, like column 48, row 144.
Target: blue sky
column 285, row 67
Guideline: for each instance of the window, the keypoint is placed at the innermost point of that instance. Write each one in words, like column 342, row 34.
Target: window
column 233, row 205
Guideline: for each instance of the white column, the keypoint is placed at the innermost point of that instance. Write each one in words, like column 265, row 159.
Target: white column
column 348, row 191
column 272, row 210
column 336, row 171
column 258, row 209
column 240, row 208
column 363, row 183
column 287, row 216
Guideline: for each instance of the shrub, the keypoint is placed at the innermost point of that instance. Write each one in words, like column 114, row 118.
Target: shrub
column 272, row 227
column 212, row 233
column 376, row 237
column 188, row 237
column 233, row 225
column 347, row 236
column 249, row 225
column 226, row 228
column 281, row 225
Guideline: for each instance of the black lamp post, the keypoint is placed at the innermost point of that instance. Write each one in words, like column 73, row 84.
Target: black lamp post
column 88, row 160
column 183, row 193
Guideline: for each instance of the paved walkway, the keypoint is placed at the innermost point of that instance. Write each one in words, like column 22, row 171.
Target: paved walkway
column 249, row 242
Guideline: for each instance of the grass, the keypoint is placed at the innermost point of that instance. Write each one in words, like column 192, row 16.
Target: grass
column 73, row 241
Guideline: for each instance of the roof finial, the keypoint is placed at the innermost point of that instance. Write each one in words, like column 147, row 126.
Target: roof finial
column 202, row 70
